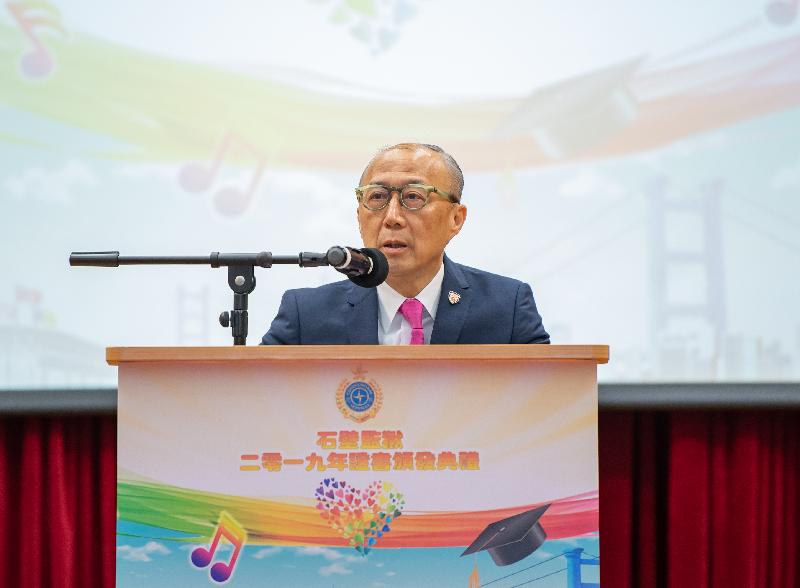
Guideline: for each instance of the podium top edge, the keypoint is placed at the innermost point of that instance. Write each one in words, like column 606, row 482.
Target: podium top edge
column 283, row 353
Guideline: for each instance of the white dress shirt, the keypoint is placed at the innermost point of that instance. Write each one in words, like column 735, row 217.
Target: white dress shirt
column 393, row 328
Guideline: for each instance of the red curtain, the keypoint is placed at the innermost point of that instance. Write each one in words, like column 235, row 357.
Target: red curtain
column 687, row 499
column 57, row 501
column 694, row 499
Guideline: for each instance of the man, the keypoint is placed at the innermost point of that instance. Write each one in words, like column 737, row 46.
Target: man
column 409, row 207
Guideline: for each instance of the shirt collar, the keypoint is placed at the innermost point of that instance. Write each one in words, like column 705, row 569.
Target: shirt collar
column 389, row 300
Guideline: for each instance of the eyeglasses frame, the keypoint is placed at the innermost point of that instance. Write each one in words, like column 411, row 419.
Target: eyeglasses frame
column 399, row 190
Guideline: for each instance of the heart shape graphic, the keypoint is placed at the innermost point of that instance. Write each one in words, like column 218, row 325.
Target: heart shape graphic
column 360, row 516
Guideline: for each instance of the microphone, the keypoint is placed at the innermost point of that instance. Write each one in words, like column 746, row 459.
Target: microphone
column 364, row 267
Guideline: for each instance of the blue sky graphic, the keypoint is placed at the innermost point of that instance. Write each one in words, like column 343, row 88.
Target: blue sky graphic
column 165, row 562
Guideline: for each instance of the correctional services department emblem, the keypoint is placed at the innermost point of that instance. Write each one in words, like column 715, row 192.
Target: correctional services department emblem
column 359, row 398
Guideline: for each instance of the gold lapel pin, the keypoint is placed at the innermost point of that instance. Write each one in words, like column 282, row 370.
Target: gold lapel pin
column 453, row 297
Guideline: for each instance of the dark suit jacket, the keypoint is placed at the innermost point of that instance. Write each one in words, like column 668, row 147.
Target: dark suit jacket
column 492, row 309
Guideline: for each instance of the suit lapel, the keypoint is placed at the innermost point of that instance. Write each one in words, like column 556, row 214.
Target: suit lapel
column 362, row 315
column 450, row 317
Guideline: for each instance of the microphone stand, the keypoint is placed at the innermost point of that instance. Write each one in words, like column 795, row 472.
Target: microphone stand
column 241, row 274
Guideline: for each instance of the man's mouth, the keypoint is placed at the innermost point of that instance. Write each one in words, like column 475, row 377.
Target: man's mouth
column 394, row 246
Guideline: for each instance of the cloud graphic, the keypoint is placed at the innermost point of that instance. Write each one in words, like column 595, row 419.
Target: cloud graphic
column 142, row 553
column 266, row 552
column 326, row 552
column 53, row 186
column 329, row 554
column 145, row 171
column 335, row 568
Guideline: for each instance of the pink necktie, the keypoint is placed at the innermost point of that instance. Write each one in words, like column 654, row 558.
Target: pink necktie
column 411, row 309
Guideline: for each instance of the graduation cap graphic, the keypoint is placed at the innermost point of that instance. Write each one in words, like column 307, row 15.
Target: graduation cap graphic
column 513, row 539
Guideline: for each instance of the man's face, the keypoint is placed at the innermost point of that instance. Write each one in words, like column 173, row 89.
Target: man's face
column 412, row 240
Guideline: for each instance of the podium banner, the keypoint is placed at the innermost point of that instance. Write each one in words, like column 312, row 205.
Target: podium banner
column 358, row 473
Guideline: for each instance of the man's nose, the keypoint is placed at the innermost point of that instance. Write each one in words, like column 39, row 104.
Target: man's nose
column 395, row 214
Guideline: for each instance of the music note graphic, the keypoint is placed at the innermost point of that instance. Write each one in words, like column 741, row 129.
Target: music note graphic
column 229, row 200
column 781, row 12
column 233, row 532
column 31, row 15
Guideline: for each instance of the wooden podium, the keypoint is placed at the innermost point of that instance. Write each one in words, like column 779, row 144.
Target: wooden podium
column 357, row 465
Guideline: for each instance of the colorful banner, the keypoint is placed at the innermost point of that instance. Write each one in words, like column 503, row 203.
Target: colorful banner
column 373, row 473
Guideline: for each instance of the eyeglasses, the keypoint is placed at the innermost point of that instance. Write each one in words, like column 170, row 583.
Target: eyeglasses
column 412, row 196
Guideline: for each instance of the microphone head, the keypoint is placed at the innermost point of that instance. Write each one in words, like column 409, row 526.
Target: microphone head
column 379, row 273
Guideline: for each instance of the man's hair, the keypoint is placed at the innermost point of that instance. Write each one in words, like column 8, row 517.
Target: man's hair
column 456, row 175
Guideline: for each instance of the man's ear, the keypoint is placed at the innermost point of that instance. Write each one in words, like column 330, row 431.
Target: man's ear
column 458, row 218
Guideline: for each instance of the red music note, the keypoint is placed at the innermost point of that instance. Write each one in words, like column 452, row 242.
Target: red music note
column 233, row 532
column 198, row 177
column 32, row 14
